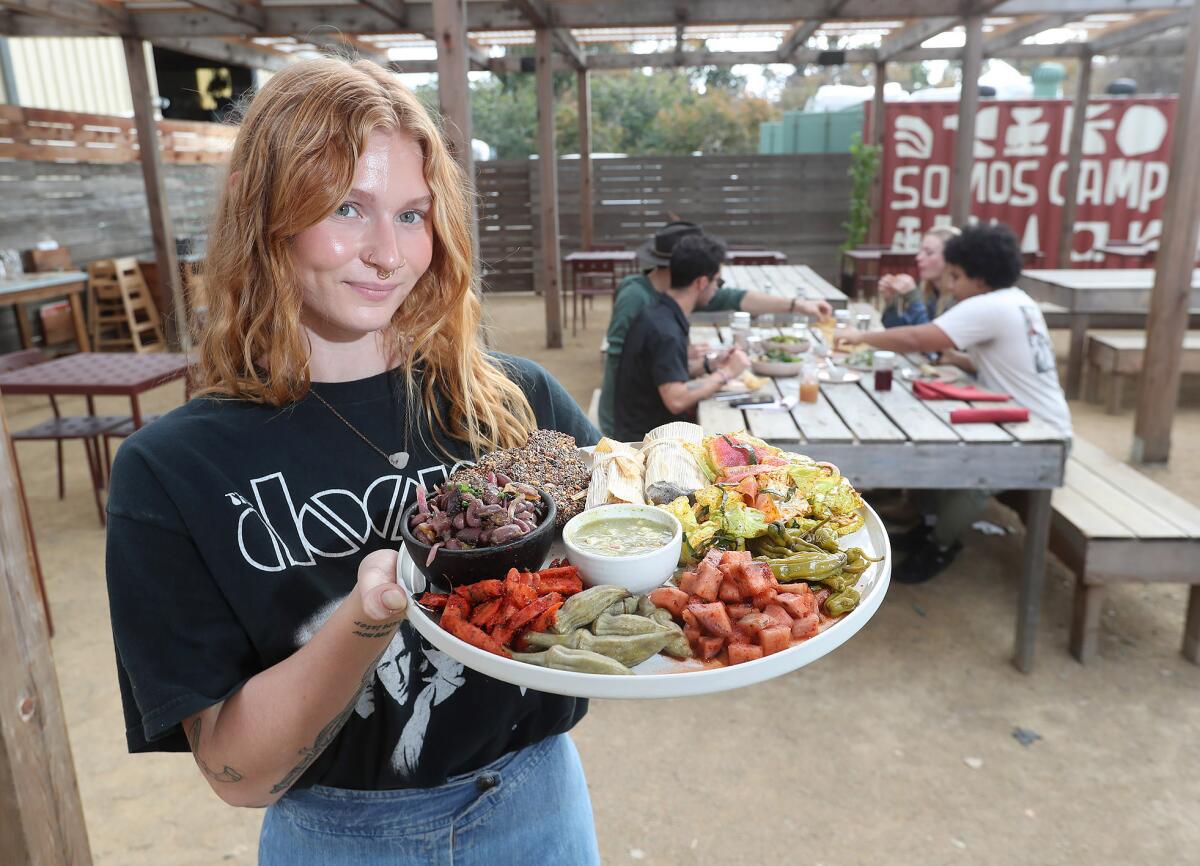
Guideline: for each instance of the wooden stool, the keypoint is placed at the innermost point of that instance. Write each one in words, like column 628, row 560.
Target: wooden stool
column 123, row 314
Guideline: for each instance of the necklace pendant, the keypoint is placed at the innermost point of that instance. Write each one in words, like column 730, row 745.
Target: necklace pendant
column 399, row 459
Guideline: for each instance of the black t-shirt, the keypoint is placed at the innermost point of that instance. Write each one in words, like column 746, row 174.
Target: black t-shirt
column 234, row 531
column 655, row 353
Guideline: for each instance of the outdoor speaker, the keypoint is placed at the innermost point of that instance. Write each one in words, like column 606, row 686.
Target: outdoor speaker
column 831, row 58
column 528, row 64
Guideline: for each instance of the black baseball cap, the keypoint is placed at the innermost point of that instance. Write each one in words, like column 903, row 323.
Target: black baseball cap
column 656, row 252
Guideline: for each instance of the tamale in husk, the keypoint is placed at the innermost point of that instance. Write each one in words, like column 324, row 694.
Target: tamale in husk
column 616, row 474
column 671, row 469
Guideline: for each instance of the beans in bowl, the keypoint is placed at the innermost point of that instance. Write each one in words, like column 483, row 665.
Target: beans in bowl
column 460, row 516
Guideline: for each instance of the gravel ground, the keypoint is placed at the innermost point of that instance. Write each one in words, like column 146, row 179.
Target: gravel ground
column 915, row 743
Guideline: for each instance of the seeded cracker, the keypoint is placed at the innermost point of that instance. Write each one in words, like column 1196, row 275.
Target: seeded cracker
column 549, row 461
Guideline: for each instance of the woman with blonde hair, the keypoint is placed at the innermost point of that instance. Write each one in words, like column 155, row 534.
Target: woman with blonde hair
column 908, row 302
column 252, row 532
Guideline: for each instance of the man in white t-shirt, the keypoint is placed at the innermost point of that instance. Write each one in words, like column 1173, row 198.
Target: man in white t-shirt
column 998, row 333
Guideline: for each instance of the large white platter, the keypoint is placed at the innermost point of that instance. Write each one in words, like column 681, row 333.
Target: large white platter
column 661, row 676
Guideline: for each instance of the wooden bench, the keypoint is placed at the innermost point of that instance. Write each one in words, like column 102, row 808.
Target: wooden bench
column 1119, row 355
column 1056, row 316
column 1111, row 524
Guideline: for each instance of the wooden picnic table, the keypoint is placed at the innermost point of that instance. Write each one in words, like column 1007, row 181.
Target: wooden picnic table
column 864, row 261
column 98, row 374
column 892, row 439
column 45, row 287
column 1090, row 294
column 786, row 281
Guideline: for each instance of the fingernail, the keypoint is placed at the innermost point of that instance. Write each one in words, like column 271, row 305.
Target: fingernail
column 394, row 599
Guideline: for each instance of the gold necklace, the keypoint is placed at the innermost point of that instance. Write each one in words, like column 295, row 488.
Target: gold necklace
column 398, row 459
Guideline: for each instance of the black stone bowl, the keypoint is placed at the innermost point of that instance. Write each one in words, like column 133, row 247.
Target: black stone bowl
column 462, row 567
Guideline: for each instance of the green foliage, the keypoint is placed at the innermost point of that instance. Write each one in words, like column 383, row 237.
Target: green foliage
column 864, row 165
column 632, row 112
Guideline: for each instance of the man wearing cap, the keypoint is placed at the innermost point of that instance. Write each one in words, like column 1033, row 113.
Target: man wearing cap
column 637, row 291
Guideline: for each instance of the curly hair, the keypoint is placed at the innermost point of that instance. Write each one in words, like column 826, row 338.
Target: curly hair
column 990, row 253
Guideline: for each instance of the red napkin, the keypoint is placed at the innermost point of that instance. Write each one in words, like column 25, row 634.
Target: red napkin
column 990, row 415
column 945, row 391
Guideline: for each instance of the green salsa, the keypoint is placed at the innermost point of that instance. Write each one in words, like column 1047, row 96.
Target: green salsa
column 621, row 536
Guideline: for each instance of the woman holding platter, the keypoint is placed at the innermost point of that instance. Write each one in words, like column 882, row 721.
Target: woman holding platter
column 252, row 532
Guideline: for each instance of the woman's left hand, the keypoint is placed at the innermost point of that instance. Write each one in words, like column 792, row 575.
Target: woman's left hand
column 381, row 597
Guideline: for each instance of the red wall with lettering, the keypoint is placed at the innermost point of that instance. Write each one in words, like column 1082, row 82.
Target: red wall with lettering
column 1020, row 168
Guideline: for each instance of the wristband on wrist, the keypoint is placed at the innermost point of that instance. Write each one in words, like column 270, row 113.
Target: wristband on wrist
column 792, row 308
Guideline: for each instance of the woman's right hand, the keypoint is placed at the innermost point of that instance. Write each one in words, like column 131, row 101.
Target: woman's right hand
column 891, row 285
column 382, row 599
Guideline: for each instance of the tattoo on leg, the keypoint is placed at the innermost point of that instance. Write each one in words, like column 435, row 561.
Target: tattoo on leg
column 229, row 774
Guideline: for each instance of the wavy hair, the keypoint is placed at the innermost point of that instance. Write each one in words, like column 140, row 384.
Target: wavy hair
column 292, row 164
column 931, row 292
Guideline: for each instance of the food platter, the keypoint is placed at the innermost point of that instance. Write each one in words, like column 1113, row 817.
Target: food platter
column 661, row 676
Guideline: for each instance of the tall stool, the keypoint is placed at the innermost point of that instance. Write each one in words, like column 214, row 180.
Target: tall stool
column 122, row 311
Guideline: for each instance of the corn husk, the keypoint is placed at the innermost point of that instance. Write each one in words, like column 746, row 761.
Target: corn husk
column 671, row 468
column 616, row 474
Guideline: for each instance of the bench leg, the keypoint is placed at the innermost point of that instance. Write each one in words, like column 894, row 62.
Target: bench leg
column 1191, row 628
column 1116, row 391
column 1085, row 620
column 1037, row 534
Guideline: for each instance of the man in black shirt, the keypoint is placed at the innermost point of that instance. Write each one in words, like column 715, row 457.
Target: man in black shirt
column 655, row 383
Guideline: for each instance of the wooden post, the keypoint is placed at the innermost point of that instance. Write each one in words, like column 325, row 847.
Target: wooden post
column 548, row 172
column 875, row 137
column 1074, row 158
column 454, row 92
column 586, row 228
column 41, row 818
column 968, row 107
column 178, row 330
column 1168, row 318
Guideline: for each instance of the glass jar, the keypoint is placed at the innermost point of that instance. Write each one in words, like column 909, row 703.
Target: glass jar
column 883, row 363
column 810, row 388
column 739, row 328
column 863, row 321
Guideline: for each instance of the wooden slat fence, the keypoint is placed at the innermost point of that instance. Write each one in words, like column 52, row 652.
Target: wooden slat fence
column 75, row 178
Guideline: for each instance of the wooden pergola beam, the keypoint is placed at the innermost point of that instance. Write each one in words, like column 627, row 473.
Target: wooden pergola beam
column 1139, row 30
column 912, row 36
column 77, row 13
column 395, row 11
column 338, row 43
column 968, row 107
column 161, row 228
column 234, row 11
column 541, row 16
column 41, row 816
column 1167, row 321
column 796, row 38
column 551, row 269
column 1022, row 30
column 237, row 53
column 583, row 92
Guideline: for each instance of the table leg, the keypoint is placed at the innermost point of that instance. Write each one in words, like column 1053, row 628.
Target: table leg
column 1079, row 329
column 1033, row 577
column 137, row 411
column 23, row 327
column 81, row 337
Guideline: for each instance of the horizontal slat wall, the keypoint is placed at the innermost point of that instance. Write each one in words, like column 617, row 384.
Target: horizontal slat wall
column 506, row 237
column 792, row 203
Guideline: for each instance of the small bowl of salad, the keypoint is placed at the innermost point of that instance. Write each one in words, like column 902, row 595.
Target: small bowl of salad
column 778, row 363
column 791, row 344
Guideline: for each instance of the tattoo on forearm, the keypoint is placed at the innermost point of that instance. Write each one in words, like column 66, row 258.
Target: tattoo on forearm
column 229, row 774
column 695, row 384
column 324, row 738
column 370, row 629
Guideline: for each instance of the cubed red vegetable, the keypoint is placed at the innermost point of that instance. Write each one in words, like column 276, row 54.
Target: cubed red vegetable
column 707, row 647
column 754, row 577
column 729, row 592
column 707, row 584
column 774, row 639
column 670, row 598
column 744, row 652
column 737, row 611
column 778, row 616
column 806, row 626
column 797, row 604
column 712, row 618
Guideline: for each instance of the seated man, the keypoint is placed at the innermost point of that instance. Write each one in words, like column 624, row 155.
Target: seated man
column 636, row 292
column 1006, row 344
column 654, row 383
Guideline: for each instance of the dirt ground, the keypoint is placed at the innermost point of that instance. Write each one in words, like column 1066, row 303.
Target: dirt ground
column 915, row 743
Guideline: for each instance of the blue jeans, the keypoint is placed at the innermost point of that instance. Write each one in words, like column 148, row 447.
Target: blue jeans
column 527, row 807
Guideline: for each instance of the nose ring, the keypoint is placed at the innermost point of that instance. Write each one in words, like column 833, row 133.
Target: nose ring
column 381, row 273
